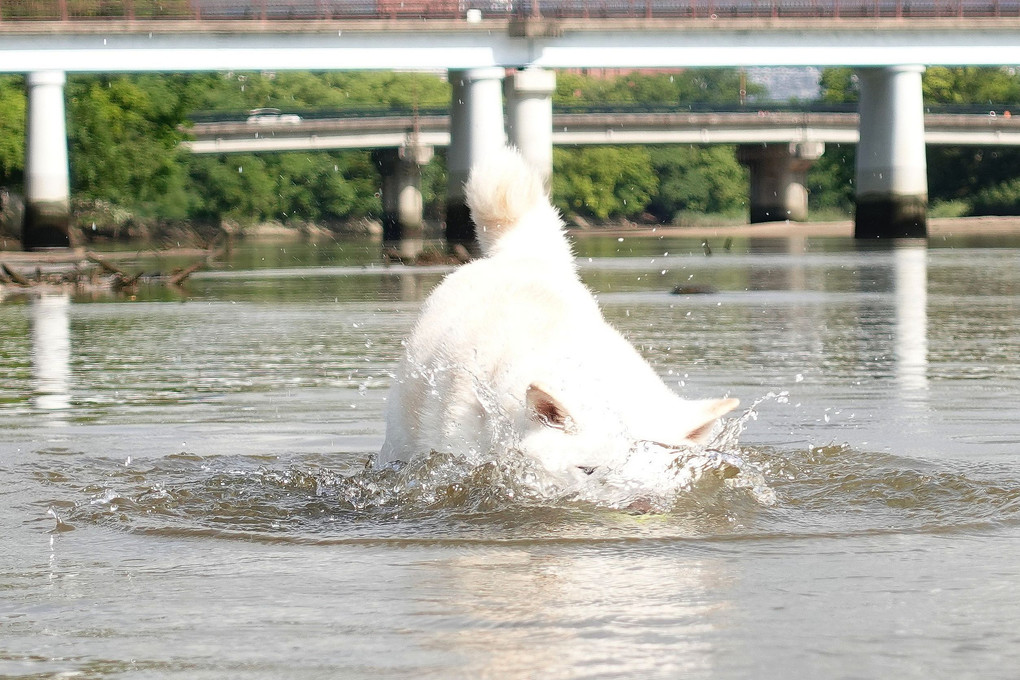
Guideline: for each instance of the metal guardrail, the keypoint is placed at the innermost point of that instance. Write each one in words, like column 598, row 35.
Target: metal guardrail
column 984, row 128
column 761, row 108
column 284, row 10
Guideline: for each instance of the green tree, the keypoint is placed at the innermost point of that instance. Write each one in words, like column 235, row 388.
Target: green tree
column 983, row 178
column 971, row 86
column 121, row 148
column 702, row 179
column 12, row 130
column 1001, row 199
column 603, row 181
column 299, row 90
column 613, row 182
column 249, row 188
column 683, row 88
column 830, row 181
column 236, row 187
column 838, row 85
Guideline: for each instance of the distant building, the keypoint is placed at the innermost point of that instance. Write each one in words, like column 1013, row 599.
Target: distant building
column 607, row 73
column 783, row 83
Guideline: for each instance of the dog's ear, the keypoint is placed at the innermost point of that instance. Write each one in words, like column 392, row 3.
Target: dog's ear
column 711, row 411
column 547, row 410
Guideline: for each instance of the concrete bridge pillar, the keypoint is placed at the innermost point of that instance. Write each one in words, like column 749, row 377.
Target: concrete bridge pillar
column 476, row 128
column 777, row 179
column 892, row 179
column 401, row 190
column 529, row 117
column 47, row 182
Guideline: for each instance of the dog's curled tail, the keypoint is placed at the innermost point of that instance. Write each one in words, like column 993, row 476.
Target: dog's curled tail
column 500, row 191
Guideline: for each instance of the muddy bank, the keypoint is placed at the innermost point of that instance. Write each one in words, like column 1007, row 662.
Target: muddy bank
column 194, row 240
column 189, row 237
column 97, row 222
column 941, row 227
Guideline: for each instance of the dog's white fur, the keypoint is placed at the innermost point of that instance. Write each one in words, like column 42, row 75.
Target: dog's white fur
column 511, row 351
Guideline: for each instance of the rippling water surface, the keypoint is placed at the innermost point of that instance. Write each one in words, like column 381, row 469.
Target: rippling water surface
column 186, row 491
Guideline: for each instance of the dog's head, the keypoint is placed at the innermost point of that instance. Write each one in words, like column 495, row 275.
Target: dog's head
column 576, row 439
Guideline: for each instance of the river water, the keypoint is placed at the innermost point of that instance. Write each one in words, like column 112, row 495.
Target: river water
column 185, row 492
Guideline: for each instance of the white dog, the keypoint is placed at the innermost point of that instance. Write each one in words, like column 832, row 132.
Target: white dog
column 511, row 352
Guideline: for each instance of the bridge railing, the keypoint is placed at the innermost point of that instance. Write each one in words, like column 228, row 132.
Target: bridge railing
column 762, row 109
column 776, row 9
column 283, row 10
column 259, row 10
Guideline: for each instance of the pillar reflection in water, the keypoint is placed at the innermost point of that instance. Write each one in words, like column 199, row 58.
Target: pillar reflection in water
column 51, row 350
column 910, row 262
column 509, row 599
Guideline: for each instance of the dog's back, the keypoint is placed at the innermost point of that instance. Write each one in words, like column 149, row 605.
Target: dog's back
column 495, row 302
column 513, row 347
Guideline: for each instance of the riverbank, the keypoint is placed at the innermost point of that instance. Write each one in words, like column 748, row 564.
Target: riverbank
column 938, row 228
column 941, row 227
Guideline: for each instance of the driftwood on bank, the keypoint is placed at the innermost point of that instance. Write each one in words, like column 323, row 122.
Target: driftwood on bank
column 121, row 280
column 429, row 256
column 105, row 275
column 9, row 276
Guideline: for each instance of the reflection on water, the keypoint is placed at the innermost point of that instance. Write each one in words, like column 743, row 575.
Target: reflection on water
column 51, row 350
column 599, row 606
column 910, row 262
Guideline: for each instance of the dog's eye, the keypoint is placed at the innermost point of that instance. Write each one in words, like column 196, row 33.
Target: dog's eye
column 586, row 469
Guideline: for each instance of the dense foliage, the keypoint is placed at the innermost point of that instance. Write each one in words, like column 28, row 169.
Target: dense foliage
column 12, row 130
column 124, row 134
column 663, row 182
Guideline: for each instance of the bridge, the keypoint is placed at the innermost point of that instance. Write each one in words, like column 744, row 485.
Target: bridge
column 214, row 35
column 483, row 43
column 320, row 130
column 777, row 144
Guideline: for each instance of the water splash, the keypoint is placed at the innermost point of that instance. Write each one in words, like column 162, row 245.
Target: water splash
column 754, row 491
column 722, row 488
column 651, row 477
column 61, row 526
